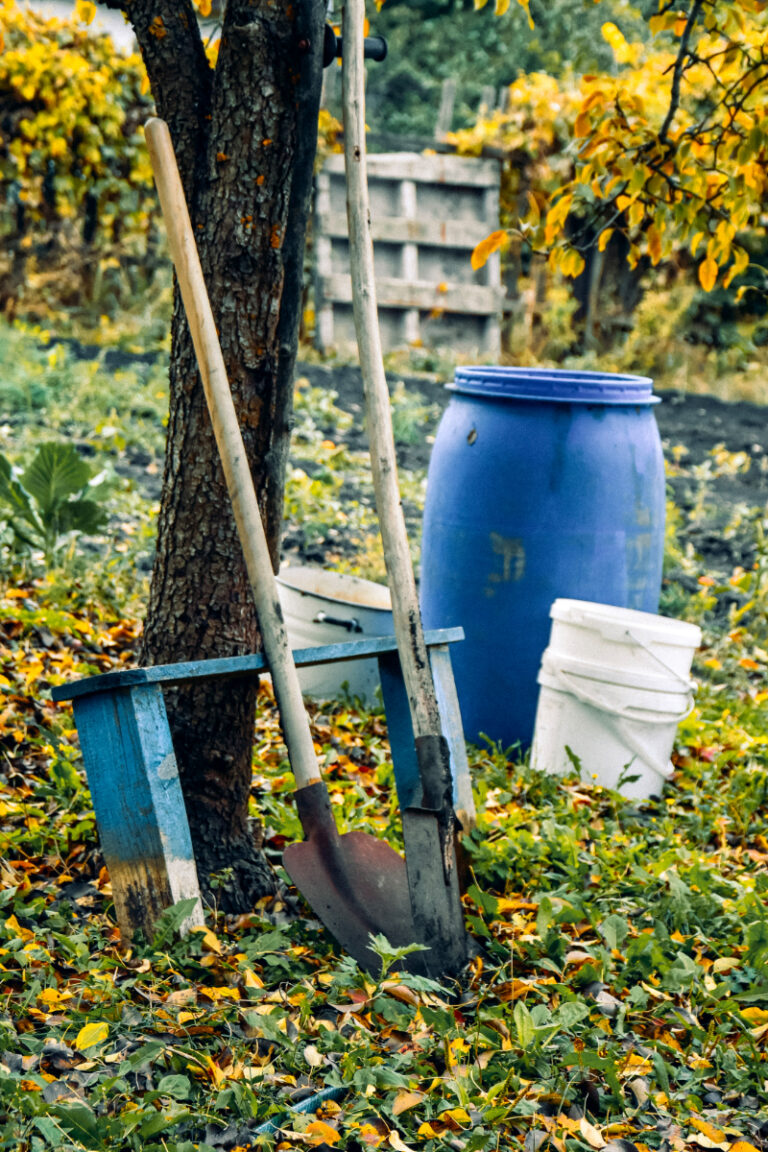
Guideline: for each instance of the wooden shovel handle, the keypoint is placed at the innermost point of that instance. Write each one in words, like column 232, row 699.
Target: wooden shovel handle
column 402, row 583
column 229, row 439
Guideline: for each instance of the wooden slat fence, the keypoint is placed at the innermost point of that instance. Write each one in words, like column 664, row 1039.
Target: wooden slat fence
column 427, row 214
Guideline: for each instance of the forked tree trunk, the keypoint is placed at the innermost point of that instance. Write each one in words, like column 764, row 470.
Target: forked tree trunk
column 245, row 137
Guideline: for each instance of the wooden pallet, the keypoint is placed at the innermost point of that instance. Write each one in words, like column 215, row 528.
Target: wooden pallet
column 134, row 780
column 427, row 214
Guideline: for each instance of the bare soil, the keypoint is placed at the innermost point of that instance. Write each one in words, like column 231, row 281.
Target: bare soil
column 719, row 496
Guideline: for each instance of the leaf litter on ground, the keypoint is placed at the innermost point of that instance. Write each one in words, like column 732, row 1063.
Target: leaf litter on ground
column 618, row 1000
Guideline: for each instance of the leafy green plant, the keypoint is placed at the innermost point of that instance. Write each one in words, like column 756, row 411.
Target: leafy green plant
column 47, row 502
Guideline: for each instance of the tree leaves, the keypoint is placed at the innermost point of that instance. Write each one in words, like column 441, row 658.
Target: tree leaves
column 91, row 1035
column 633, row 152
column 487, row 247
column 47, row 502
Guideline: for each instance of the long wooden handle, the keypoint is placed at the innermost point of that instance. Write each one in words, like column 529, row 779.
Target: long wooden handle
column 229, row 439
column 402, row 583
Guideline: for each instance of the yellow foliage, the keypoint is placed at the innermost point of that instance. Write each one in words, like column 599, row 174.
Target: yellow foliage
column 708, row 274
column 71, row 106
column 632, row 152
column 487, row 247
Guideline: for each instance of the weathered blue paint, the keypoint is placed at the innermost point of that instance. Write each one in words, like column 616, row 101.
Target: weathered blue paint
column 231, row 666
column 400, row 730
column 137, row 799
column 134, row 781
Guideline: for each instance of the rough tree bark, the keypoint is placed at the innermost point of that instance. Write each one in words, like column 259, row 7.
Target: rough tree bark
column 245, row 138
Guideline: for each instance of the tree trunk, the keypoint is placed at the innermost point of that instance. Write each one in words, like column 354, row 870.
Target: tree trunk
column 244, row 135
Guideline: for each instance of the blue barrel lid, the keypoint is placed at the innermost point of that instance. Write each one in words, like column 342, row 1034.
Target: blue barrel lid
column 554, row 384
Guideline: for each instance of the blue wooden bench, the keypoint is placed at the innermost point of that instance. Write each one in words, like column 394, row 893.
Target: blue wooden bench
column 134, row 780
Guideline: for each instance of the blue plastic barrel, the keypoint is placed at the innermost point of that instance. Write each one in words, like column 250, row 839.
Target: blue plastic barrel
column 543, row 484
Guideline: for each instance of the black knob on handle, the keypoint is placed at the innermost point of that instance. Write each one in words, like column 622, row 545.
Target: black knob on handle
column 374, row 47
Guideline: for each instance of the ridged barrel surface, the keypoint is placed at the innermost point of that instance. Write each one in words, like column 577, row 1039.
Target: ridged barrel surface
column 542, row 485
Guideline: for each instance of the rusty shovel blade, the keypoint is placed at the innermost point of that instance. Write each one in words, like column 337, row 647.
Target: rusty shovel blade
column 355, row 884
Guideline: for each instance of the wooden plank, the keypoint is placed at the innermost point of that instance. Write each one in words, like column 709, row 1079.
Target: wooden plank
column 400, row 731
column 453, row 730
column 477, row 299
column 463, row 171
column 232, row 666
column 323, row 259
column 409, row 260
column 461, row 234
column 445, row 113
column 134, row 781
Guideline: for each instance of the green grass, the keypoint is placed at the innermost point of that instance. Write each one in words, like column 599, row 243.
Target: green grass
column 619, row 997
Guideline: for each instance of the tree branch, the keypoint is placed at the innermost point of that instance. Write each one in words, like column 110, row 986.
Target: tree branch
column 180, row 76
column 310, row 25
column 679, row 70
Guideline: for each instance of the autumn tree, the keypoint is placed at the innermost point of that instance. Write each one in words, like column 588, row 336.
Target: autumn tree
column 668, row 150
column 76, row 190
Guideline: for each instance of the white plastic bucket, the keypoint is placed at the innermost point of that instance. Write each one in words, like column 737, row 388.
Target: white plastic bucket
column 322, row 607
column 614, row 685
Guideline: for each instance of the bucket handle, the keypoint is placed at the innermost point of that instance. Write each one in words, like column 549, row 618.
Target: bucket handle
column 351, row 625
column 687, row 684
column 641, row 753
column 625, row 713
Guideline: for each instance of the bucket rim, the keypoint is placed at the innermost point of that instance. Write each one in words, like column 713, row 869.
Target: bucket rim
column 300, row 578
column 616, row 677
column 554, row 385
column 612, row 618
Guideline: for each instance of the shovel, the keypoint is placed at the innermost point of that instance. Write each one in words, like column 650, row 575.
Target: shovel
column 429, row 821
column 356, row 884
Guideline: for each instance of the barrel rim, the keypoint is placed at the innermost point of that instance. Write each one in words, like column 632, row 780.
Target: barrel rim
column 558, row 385
column 335, row 588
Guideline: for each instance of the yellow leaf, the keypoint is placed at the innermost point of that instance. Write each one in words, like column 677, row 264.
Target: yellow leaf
column 591, row 1134
column 725, row 963
column 572, row 264
column 487, row 247
column 210, row 940
column 501, row 7
column 582, row 125
column 52, row 998
column 755, row 1015
column 13, row 925
column 654, row 244
column 526, row 6
column 398, row 1144
column 459, row 1115
column 618, row 45
column 85, row 11
column 91, row 1035
column 204, row 8
column 716, row 1135
column 406, row 1100
column 220, row 993
column 556, row 217
column 708, row 274
column 603, row 238
column 321, row 1133
column 742, row 1146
